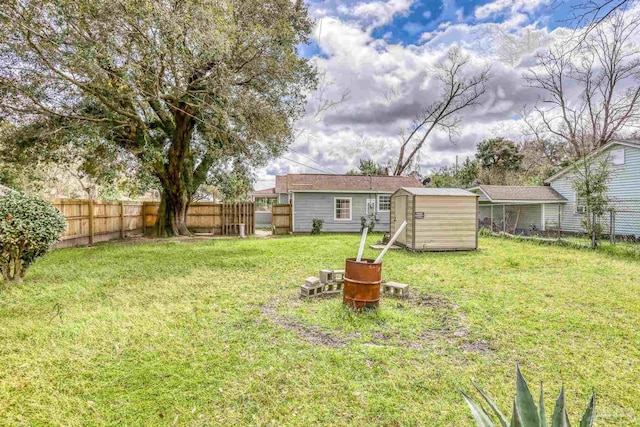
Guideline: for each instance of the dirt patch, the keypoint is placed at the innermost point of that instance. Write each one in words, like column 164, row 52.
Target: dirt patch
column 311, row 334
column 453, row 326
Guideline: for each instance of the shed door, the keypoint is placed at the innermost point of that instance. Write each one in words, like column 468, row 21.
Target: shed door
column 400, row 216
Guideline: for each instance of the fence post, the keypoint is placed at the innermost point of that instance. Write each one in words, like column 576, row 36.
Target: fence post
column 612, row 227
column 121, row 219
column 594, row 243
column 144, row 218
column 91, row 219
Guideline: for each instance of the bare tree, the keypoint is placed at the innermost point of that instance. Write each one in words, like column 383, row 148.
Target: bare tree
column 458, row 92
column 591, row 13
column 591, row 90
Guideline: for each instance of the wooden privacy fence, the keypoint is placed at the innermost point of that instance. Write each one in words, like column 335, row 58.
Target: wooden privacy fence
column 93, row 221
column 281, row 219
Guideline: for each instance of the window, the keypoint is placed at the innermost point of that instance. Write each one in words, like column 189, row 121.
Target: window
column 342, row 209
column 617, row 157
column 581, row 207
column 384, row 203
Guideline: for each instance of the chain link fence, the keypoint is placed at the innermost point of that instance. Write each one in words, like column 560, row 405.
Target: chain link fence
column 568, row 221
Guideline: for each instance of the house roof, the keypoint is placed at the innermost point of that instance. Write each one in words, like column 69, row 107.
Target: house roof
column 633, row 144
column 266, row 192
column 439, row 192
column 520, row 193
column 342, row 183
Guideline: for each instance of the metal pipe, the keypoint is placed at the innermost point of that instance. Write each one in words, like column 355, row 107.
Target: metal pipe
column 391, row 242
column 362, row 241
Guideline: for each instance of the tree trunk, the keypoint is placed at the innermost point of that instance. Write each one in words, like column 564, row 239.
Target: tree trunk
column 172, row 213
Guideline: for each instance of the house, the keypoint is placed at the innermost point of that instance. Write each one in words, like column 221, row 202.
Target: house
column 339, row 200
column 263, row 196
column 555, row 205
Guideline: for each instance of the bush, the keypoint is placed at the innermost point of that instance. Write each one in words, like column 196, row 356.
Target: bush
column 369, row 224
column 316, row 227
column 29, row 226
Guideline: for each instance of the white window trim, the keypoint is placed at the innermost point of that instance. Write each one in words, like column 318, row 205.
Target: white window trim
column 335, row 199
column 378, row 203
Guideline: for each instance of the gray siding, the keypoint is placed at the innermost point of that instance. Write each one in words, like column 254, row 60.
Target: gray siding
column 263, row 219
column 307, row 206
column 624, row 190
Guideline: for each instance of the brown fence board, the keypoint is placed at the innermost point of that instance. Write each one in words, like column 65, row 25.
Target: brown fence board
column 91, row 221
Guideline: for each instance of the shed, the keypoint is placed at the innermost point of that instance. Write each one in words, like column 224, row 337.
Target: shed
column 438, row 219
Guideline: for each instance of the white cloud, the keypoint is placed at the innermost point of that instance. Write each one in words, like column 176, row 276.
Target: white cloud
column 503, row 6
column 389, row 83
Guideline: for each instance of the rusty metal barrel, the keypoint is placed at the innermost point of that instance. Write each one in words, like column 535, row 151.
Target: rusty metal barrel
column 362, row 284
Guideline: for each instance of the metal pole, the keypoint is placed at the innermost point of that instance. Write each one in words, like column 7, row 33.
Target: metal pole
column 491, row 223
column 504, row 219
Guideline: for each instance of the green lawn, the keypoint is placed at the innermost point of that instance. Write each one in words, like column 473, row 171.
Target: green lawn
column 212, row 332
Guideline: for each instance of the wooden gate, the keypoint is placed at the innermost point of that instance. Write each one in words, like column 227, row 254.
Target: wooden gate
column 281, row 219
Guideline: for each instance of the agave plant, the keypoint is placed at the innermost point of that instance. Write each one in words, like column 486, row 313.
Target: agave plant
column 525, row 411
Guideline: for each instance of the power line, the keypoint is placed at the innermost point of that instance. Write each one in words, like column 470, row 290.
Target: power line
column 314, row 161
column 302, row 164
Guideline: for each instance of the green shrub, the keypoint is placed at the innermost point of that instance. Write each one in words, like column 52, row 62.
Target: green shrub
column 484, row 232
column 316, row 227
column 365, row 222
column 29, row 226
column 525, row 411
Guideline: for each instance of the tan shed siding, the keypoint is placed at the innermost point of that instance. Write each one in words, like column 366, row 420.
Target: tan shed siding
column 410, row 223
column 393, row 225
column 449, row 223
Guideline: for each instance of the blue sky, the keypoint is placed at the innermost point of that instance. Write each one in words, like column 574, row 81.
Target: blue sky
column 379, row 54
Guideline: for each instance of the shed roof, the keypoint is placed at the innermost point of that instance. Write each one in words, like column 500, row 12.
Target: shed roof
column 520, row 193
column 439, row 192
column 329, row 183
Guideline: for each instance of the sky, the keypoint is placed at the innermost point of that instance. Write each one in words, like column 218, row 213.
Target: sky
column 378, row 57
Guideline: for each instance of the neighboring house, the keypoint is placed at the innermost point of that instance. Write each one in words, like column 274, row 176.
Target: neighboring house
column 623, row 191
column 339, row 200
column 263, row 195
column 546, row 207
column 524, row 207
column 263, row 200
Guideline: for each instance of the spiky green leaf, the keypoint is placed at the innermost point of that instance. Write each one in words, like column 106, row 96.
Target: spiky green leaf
column 477, row 412
column 589, row 413
column 516, row 418
column 492, row 405
column 525, row 403
column 543, row 416
column 560, row 417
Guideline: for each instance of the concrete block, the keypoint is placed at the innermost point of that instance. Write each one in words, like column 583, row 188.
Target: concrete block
column 396, row 289
column 326, row 276
column 310, row 291
column 338, row 276
column 312, row 281
column 333, row 288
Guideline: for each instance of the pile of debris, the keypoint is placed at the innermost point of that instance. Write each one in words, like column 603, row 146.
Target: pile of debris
column 330, row 282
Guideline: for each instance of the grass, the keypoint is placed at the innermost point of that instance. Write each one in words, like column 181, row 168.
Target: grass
column 212, row 333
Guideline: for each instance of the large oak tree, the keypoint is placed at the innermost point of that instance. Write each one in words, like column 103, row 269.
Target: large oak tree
column 180, row 86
